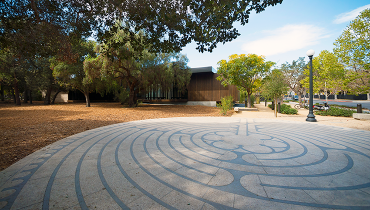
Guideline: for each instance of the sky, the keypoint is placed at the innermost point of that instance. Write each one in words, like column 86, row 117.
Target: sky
column 285, row 32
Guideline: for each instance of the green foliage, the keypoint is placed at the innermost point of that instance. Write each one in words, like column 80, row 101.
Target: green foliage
column 287, row 109
column 352, row 47
column 226, row 104
column 121, row 95
column 294, row 73
column 329, row 75
column 125, row 58
column 171, row 25
column 274, row 85
column 353, row 44
column 243, row 71
column 334, row 111
column 242, row 97
column 72, row 74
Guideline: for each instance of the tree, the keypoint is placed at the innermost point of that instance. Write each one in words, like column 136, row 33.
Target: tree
column 126, row 58
column 353, row 49
column 274, row 86
column 11, row 72
column 31, row 31
column 170, row 25
column 329, row 75
column 293, row 74
column 243, row 71
column 72, row 74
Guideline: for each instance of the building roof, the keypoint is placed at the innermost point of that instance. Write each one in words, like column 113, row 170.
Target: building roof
column 203, row 69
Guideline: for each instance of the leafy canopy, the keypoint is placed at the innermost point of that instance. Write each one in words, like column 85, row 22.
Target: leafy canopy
column 169, row 25
column 353, row 45
column 243, row 71
column 328, row 73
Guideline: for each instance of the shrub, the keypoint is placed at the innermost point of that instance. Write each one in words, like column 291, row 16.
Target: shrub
column 286, row 109
column 253, row 99
column 242, row 97
column 334, row 111
column 121, row 96
column 226, row 104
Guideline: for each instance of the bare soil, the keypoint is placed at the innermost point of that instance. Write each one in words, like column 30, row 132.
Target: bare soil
column 27, row 128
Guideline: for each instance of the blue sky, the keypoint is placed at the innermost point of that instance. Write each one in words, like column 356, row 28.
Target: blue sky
column 285, row 32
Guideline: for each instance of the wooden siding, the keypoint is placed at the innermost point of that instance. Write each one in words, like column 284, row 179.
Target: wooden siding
column 205, row 87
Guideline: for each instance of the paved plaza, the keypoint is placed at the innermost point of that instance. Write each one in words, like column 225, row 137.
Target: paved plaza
column 196, row 163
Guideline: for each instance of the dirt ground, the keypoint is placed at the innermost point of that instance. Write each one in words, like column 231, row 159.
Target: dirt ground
column 27, row 128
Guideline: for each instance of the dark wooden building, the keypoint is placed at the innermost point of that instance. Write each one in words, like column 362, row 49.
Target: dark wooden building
column 203, row 89
column 204, row 86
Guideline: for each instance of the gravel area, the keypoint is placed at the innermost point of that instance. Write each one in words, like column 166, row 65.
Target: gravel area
column 27, row 128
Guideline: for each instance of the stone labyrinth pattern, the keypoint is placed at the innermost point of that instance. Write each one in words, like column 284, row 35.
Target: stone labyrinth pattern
column 196, row 163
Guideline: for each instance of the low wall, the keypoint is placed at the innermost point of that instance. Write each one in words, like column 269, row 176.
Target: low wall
column 202, row 103
column 361, row 116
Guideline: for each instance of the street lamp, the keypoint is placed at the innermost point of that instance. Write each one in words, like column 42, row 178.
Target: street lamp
column 311, row 116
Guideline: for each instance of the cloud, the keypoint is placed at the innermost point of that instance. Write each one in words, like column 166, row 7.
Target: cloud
column 348, row 16
column 285, row 39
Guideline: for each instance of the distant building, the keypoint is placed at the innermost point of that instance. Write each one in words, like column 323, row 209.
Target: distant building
column 203, row 89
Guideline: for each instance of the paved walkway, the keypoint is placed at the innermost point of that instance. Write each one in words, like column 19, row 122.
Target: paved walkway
column 196, row 163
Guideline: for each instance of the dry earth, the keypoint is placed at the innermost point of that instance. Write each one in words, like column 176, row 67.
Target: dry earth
column 27, row 128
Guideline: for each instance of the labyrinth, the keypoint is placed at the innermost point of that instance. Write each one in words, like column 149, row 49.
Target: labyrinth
column 196, row 163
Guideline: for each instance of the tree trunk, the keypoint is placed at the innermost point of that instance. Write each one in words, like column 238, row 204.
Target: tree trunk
column 2, row 98
column 131, row 102
column 30, row 94
column 335, row 96
column 275, row 109
column 15, row 101
column 47, row 96
column 368, row 96
column 25, row 94
column 16, row 93
column 87, row 97
column 249, row 105
column 55, row 96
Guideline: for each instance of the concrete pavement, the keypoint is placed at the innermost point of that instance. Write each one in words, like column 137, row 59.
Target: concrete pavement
column 196, row 163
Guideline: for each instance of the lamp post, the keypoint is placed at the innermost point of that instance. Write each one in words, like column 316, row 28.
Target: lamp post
column 311, row 116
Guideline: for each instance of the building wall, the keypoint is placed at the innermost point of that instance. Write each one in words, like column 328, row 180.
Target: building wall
column 62, row 97
column 204, row 87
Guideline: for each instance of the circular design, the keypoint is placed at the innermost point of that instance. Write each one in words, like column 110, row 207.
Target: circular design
column 195, row 163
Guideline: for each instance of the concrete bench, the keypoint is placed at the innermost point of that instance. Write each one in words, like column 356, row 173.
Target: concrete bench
column 237, row 109
column 361, row 116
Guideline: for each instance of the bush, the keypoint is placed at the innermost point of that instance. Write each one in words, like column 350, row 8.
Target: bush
column 121, row 96
column 334, row 111
column 285, row 109
column 242, row 97
column 226, row 104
